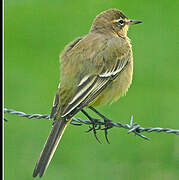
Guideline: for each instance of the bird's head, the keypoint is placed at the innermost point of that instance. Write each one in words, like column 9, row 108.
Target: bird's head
column 112, row 21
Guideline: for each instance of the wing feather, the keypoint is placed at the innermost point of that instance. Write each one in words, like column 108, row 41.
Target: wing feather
column 81, row 93
column 90, row 87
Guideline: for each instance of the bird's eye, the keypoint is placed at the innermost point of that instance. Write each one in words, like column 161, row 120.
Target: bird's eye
column 121, row 22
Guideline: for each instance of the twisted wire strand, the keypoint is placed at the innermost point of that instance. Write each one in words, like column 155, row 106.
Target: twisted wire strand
column 132, row 127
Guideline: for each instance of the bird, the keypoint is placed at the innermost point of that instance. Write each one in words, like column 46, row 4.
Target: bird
column 96, row 69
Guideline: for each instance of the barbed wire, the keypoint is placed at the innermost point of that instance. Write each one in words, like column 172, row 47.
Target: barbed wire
column 132, row 127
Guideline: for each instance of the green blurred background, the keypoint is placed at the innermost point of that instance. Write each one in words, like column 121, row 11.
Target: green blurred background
column 35, row 34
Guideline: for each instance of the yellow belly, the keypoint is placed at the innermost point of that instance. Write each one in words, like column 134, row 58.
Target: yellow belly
column 117, row 88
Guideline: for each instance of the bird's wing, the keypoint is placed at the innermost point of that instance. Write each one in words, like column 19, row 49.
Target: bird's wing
column 91, row 86
column 56, row 98
column 55, row 104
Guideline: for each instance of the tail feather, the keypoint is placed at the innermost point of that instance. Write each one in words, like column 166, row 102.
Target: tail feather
column 50, row 147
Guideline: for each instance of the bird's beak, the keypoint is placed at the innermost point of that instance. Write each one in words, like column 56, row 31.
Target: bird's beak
column 131, row 22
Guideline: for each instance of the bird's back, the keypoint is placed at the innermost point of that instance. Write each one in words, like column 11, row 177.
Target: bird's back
column 89, row 55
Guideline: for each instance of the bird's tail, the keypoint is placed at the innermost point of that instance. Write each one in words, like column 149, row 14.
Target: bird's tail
column 50, row 147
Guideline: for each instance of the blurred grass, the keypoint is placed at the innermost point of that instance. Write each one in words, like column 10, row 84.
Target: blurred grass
column 35, row 33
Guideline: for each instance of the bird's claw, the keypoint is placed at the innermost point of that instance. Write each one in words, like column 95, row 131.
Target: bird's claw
column 94, row 128
column 107, row 125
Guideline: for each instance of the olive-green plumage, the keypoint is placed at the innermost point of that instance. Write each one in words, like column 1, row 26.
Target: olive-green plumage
column 96, row 69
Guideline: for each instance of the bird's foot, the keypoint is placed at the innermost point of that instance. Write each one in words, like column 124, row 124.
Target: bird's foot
column 107, row 126
column 107, row 123
column 94, row 127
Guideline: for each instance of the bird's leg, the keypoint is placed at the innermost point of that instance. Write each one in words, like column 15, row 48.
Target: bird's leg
column 93, row 121
column 107, row 122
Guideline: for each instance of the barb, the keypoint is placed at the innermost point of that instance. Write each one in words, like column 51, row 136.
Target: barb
column 132, row 127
